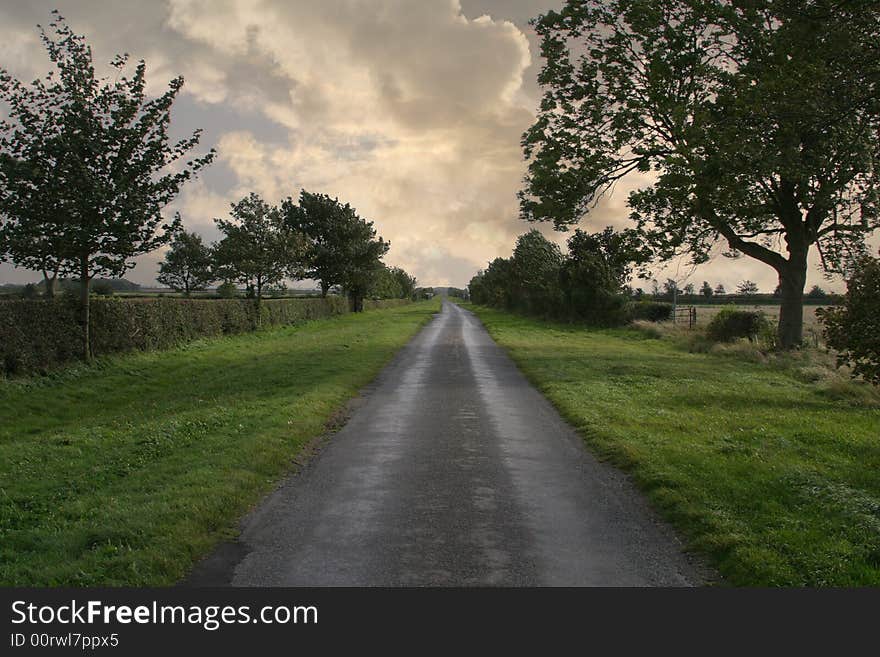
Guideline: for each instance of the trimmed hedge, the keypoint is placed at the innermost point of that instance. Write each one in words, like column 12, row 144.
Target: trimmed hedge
column 730, row 324
column 38, row 334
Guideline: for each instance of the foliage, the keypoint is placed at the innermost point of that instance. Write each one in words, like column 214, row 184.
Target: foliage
column 706, row 289
column 587, row 284
column 341, row 247
column 102, row 289
column 652, row 311
column 730, row 324
column 534, row 274
column 187, row 264
column 816, row 292
column 760, row 122
column 86, row 165
column 747, row 288
column 227, row 290
column 392, row 283
column 853, row 328
column 258, row 249
column 38, row 335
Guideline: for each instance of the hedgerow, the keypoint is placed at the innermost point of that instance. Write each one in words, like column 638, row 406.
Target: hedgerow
column 39, row 334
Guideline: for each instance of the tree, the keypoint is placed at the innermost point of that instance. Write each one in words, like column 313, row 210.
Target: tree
column 328, row 226
column 87, row 166
column 689, row 289
column 392, row 283
column 227, row 290
column 759, row 121
column 385, row 285
column 747, row 288
column 621, row 251
column 258, row 249
column 816, row 292
column 706, row 289
column 187, row 265
column 362, row 258
column 406, row 282
column 853, row 329
column 719, row 290
column 535, row 269
column 342, row 248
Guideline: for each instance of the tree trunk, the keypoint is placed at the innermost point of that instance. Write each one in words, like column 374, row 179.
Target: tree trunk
column 324, row 288
column 50, row 283
column 85, row 282
column 792, row 280
column 259, row 291
column 355, row 302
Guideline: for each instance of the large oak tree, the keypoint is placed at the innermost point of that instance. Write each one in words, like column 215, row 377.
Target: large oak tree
column 759, row 122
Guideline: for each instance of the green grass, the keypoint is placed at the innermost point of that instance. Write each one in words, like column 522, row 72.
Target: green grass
column 126, row 472
column 773, row 474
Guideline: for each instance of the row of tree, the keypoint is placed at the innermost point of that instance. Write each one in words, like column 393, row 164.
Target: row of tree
column 588, row 283
column 87, row 168
column 671, row 289
column 262, row 245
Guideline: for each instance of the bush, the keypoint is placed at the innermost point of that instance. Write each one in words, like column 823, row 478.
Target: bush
column 652, row 311
column 36, row 335
column 102, row 289
column 853, row 329
column 731, row 324
column 227, row 291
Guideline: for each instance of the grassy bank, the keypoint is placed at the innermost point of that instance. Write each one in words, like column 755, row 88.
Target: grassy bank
column 128, row 471
column 766, row 467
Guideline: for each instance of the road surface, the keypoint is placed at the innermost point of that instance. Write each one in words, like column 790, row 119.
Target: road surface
column 454, row 471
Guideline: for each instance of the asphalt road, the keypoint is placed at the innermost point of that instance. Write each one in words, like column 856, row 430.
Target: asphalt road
column 454, row 471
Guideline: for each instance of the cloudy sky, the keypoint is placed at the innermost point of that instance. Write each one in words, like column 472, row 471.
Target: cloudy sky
column 411, row 110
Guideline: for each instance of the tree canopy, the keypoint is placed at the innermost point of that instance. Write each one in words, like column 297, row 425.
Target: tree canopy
column 258, row 249
column 342, row 247
column 758, row 122
column 187, row 265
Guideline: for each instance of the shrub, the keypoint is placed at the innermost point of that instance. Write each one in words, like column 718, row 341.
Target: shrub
column 227, row 290
column 652, row 311
column 38, row 334
column 853, row 329
column 731, row 324
column 102, row 289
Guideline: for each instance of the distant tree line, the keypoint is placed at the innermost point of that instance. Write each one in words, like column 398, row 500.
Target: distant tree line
column 746, row 290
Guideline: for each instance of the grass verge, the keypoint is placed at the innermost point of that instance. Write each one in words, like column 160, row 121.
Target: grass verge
column 126, row 472
column 771, row 472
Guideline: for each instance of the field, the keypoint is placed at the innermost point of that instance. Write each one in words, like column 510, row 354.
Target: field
column 766, row 465
column 127, row 472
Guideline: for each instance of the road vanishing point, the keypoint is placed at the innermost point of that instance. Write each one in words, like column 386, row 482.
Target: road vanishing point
column 453, row 470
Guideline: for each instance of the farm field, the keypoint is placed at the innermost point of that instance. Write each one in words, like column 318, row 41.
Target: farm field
column 769, row 468
column 126, row 472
